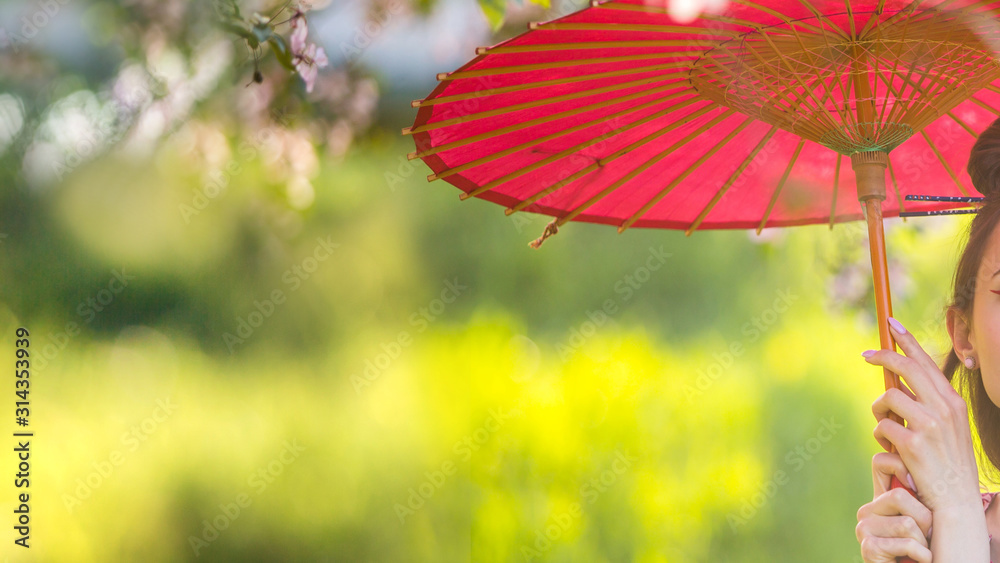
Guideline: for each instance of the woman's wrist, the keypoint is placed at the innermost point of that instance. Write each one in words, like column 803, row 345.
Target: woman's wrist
column 960, row 534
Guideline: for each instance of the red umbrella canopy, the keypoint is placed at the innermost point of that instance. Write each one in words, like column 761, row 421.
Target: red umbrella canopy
column 619, row 114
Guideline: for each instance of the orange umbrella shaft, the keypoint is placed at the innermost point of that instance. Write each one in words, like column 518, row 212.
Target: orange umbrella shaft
column 869, row 169
column 883, row 300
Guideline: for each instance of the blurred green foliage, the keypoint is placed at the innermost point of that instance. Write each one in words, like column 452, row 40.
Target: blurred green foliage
column 491, row 432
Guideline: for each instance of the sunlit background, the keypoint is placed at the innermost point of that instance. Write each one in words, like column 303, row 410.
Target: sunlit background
column 259, row 334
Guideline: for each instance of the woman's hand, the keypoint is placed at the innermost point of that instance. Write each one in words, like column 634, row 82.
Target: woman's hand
column 894, row 523
column 936, row 443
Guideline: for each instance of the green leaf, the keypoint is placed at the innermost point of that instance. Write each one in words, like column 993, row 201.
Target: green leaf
column 263, row 32
column 239, row 28
column 280, row 49
column 495, row 10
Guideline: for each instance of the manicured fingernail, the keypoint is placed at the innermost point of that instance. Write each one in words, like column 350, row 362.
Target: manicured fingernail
column 867, row 353
column 896, row 326
column 909, row 479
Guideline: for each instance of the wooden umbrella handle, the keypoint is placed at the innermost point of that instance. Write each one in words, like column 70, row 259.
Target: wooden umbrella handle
column 883, row 310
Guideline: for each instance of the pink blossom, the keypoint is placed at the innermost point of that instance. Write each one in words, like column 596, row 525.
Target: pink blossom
column 308, row 58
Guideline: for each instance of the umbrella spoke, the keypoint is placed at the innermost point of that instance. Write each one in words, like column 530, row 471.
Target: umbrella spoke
column 568, row 63
column 781, row 184
column 679, row 29
column 639, row 169
column 601, row 104
column 673, row 68
column 944, row 163
column 535, row 103
column 836, row 185
column 725, row 187
column 556, row 135
column 543, row 47
column 539, row 140
column 895, row 187
column 680, row 178
column 534, row 166
column 602, row 162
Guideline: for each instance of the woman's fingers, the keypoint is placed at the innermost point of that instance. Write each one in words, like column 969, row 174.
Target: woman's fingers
column 885, row 550
column 894, row 524
column 890, row 433
column 916, row 368
column 884, row 466
column 898, row 502
column 895, row 400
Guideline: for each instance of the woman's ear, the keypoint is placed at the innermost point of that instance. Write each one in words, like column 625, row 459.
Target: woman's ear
column 960, row 332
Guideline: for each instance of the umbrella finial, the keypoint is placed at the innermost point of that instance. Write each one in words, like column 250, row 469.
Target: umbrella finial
column 550, row 230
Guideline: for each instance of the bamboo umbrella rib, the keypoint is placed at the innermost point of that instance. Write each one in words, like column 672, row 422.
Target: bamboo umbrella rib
column 891, row 20
column 957, row 90
column 680, row 178
column 819, row 106
column 812, row 128
column 873, row 18
column 667, row 68
column 984, row 105
column 782, row 17
column 555, row 116
column 725, row 187
column 945, row 164
column 781, row 184
column 895, row 186
column 906, row 80
column 494, row 156
column 639, row 169
column 851, row 118
column 940, row 9
column 892, row 90
column 500, row 70
column 850, row 19
column 949, row 113
column 543, row 47
column 553, row 158
column 920, row 115
column 539, row 140
column 895, row 66
column 836, row 185
column 534, row 103
column 826, row 85
column 926, row 91
column 692, row 30
column 604, row 161
column 705, row 16
column 963, row 124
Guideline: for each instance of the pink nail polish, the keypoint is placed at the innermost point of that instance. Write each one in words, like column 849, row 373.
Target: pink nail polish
column 897, row 326
column 868, row 353
column 909, row 480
